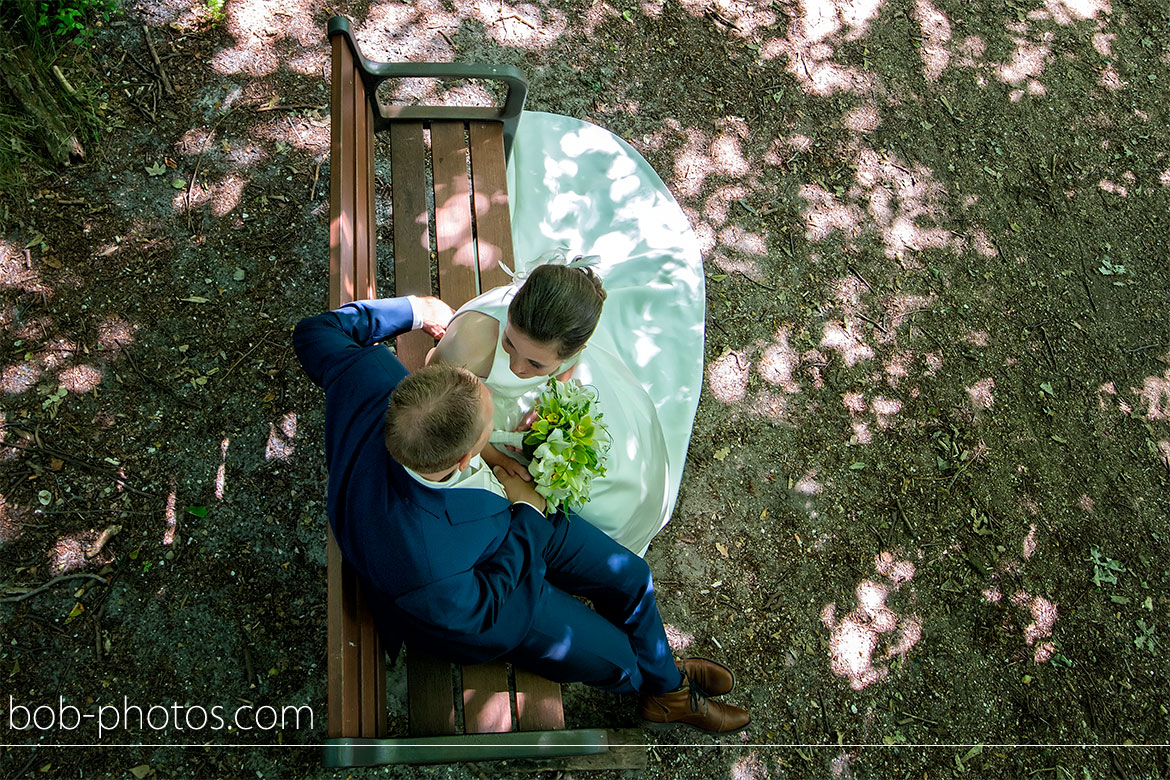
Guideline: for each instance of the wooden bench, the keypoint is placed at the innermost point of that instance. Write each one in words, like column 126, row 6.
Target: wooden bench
column 506, row 713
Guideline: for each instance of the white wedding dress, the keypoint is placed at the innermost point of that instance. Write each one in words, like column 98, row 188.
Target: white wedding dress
column 579, row 188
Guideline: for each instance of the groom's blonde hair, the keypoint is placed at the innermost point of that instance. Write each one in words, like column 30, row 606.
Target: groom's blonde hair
column 434, row 418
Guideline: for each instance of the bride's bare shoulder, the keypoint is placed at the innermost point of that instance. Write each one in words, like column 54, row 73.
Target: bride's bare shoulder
column 470, row 341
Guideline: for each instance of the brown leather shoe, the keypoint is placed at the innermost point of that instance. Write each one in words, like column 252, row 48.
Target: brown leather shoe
column 713, row 678
column 689, row 707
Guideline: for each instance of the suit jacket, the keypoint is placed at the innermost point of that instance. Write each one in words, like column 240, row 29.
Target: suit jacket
column 459, row 571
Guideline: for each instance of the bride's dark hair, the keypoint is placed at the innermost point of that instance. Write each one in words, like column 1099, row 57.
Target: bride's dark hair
column 558, row 305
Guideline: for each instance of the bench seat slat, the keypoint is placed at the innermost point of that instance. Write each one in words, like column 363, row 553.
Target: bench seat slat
column 487, row 707
column 412, row 240
column 493, row 224
column 430, row 694
column 453, row 218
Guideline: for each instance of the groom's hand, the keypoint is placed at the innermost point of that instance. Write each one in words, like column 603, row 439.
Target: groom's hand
column 435, row 314
column 518, row 490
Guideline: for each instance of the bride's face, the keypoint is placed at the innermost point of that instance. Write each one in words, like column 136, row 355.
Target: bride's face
column 528, row 358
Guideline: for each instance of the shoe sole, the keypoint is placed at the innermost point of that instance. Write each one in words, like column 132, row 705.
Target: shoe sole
column 712, row 661
column 653, row 725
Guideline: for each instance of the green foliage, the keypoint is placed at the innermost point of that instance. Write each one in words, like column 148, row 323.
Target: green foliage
column 52, row 22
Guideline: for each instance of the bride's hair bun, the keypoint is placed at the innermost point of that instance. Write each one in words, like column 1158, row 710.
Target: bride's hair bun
column 559, row 305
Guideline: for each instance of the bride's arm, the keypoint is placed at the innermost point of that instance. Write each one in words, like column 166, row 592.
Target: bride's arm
column 470, row 341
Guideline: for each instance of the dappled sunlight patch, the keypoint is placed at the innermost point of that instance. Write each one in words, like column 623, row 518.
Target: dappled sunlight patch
column 170, row 519
column 1165, row 178
column 727, row 376
column 1111, row 187
column 221, row 472
column 846, row 341
column 936, row 34
column 1027, row 61
column 884, row 409
column 978, row 338
column 1043, row 613
column 19, row 377
column 810, row 41
column 779, row 363
column 523, row 25
column 114, row 333
column 79, row 379
column 1155, row 393
column 808, row 484
column 863, row 119
column 861, row 432
column 1164, row 453
column 1070, row 11
column 825, row 213
column 992, row 595
column 280, row 439
column 933, row 363
column 72, row 552
column 679, row 640
column 1028, row 547
column 854, row 402
column 256, row 26
column 897, row 367
column 750, row 767
column 717, row 206
column 1086, row 504
column 981, row 393
column 854, row 639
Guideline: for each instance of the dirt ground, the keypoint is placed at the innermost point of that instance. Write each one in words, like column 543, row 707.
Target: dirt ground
column 925, row 511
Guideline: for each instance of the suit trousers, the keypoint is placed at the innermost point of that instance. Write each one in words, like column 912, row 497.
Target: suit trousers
column 620, row 645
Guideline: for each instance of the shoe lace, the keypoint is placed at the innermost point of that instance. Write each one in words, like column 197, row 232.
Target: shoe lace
column 697, row 696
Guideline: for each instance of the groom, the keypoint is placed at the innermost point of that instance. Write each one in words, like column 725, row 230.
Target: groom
column 463, row 562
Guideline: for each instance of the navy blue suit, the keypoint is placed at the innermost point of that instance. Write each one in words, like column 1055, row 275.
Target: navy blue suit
column 463, row 572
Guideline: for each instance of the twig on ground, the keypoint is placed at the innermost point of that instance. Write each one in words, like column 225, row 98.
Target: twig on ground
column 316, row 175
column 753, row 281
column 293, row 107
column 105, row 536
column 871, row 322
column 1048, row 344
column 55, row 581
column 232, row 367
column 862, row 278
column 44, row 450
column 166, row 82
column 1142, row 349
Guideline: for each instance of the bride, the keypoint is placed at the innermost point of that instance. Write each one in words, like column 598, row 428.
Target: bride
column 638, row 340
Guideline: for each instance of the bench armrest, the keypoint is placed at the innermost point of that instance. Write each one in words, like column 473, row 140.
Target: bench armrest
column 374, row 73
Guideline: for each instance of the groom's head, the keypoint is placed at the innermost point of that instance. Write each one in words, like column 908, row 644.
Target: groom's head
column 439, row 418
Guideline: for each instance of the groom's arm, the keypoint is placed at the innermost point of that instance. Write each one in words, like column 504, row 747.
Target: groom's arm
column 329, row 343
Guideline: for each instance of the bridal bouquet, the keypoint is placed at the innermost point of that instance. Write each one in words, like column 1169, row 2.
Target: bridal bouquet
column 568, row 444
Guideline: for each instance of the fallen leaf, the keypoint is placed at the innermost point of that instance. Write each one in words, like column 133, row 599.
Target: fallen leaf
column 56, row 464
column 198, row 511
column 141, row 771
column 179, row 184
column 158, row 169
column 196, row 299
column 722, row 548
column 238, row 275
column 722, row 453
